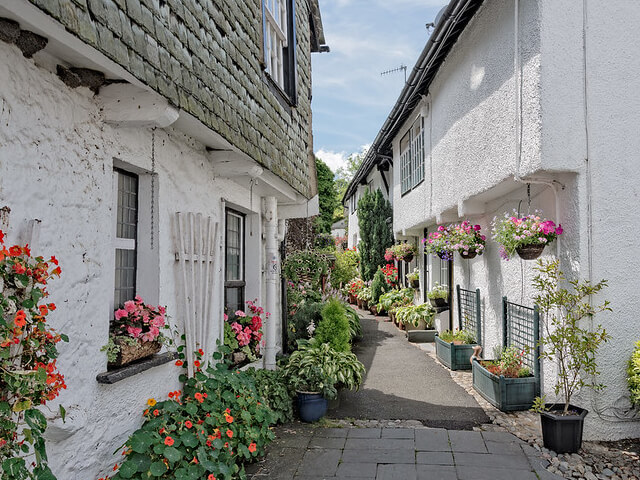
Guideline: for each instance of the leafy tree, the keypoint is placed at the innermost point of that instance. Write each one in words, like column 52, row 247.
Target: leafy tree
column 345, row 174
column 328, row 197
column 375, row 233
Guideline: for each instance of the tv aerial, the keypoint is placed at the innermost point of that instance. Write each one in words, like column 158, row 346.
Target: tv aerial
column 394, row 70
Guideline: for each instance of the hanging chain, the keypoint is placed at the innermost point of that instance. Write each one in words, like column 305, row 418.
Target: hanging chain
column 528, row 199
column 153, row 180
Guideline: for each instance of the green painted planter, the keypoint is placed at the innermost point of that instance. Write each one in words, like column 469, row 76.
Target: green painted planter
column 506, row 394
column 455, row 357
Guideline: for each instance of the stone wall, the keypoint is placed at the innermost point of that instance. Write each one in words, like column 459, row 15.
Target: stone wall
column 206, row 58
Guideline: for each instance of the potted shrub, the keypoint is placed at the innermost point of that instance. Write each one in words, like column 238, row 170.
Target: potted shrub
column 526, row 235
column 404, row 251
column 466, row 239
column 379, row 286
column 454, row 349
column 571, row 347
column 364, row 297
column 135, row 333
column 353, row 288
column 505, row 382
column 414, row 278
column 439, row 243
column 439, row 296
column 316, row 371
column 418, row 317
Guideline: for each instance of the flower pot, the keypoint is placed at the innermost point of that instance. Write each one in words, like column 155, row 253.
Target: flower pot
column 130, row 353
column 439, row 302
column 530, row 252
column 408, row 258
column 373, row 309
column 421, row 336
column 311, row 406
column 444, row 255
column 468, row 255
column 352, row 299
column 455, row 357
column 506, row 394
column 365, row 305
column 359, row 303
column 415, row 284
column 562, row 433
column 392, row 316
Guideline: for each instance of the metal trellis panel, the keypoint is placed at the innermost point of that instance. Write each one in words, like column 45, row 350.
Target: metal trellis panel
column 469, row 315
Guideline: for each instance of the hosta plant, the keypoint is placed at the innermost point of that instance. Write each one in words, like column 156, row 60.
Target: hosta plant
column 413, row 314
column 29, row 377
column 396, row 298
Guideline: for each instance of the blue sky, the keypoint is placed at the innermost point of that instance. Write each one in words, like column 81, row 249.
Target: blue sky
column 351, row 99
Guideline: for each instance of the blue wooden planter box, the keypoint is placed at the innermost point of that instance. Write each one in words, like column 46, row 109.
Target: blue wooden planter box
column 506, row 394
column 455, row 357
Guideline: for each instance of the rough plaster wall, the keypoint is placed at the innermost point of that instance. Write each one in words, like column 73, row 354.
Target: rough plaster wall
column 471, row 131
column 56, row 165
column 612, row 42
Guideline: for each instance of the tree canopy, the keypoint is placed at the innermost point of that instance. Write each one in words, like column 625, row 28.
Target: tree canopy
column 328, row 197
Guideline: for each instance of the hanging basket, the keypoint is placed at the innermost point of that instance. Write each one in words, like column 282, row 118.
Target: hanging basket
column 530, row 252
column 408, row 258
column 415, row 284
column 468, row 255
column 131, row 353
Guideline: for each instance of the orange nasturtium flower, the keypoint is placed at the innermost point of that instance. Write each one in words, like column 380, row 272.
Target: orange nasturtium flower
column 168, row 441
column 228, row 418
column 151, row 402
column 211, row 477
column 252, row 447
column 178, row 363
column 188, row 424
column 230, row 433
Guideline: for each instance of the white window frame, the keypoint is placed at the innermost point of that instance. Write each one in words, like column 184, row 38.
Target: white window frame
column 147, row 235
column 412, row 157
column 275, row 38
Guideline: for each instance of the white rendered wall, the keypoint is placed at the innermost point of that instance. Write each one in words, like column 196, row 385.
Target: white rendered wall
column 374, row 182
column 471, row 157
column 56, row 162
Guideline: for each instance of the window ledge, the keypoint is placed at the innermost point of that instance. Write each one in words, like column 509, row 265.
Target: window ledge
column 114, row 376
column 283, row 98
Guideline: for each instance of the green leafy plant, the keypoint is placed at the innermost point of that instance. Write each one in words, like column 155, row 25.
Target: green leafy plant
column 509, row 363
column 334, row 326
column 302, row 323
column 365, row 294
column 316, row 367
column 379, row 286
column 374, row 220
column 413, row 276
column 306, row 266
column 210, row 430
column 243, row 333
column 438, row 291
column 355, row 328
column 565, row 341
column 29, row 377
column 413, row 314
column 464, row 337
column 345, row 268
column 396, row 298
column 633, row 376
column 273, row 389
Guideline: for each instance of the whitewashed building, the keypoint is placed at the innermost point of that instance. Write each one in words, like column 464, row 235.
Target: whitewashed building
column 192, row 117
column 529, row 104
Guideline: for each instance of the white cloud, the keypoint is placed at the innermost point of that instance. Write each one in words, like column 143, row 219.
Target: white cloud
column 334, row 160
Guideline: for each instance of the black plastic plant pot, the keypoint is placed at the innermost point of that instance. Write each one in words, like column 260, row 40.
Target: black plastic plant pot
column 311, row 406
column 562, row 433
column 439, row 302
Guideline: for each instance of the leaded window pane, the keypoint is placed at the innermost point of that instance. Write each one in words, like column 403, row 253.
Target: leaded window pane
column 125, row 278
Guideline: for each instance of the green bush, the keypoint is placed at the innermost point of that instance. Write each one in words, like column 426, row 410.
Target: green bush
column 273, row 389
column 379, row 286
column 345, row 268
column 374, row 216
column 305, row 314
column 334, row 326
column 217, row 425
column 633, row 379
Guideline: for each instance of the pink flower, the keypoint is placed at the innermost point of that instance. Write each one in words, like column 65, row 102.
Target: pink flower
column 559, row 230
column 256, row 323
column 441, row 228
column 162, row 310
column 130, row 306
column 236, row 327
column 240, row 313
column 158, row 321
column 226, row 317
column 138, row 299
column 243, row 339
column 120, row 314
column 134, row 331
column 476, row 228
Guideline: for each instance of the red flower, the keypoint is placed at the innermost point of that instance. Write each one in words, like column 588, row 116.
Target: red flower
column 178, row 364
column 188, row 424
column 54, row 260
column 229, row 434
column 168, row 441
column 156, row 412
column 197, row 363
column 19, row 269
column 211, row 477
column 200, row 351
column 1, row 236
column 252, row 447
column 15, row 251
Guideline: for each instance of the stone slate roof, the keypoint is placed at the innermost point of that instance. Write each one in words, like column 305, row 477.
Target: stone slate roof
column 205, row 57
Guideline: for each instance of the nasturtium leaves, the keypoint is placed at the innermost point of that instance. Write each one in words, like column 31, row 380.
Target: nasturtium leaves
column 189, row 439
column 140, row 441
column 127, row 470
column 157, row 469
column 172, row 454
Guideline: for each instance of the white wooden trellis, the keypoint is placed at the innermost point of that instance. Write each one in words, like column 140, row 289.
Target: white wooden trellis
column 197, row 244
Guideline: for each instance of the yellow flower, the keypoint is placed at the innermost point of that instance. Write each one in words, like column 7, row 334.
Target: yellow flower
column 151, row 402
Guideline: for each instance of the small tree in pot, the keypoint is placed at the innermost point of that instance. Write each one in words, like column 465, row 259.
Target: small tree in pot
column 573, row 347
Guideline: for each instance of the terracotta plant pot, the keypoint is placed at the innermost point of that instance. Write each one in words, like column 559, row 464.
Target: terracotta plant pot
column 373, row 309
column 530, row 252
column 131, row 353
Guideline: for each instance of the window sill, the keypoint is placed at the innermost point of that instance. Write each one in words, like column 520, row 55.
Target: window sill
column 114, row 376
column 283, row 98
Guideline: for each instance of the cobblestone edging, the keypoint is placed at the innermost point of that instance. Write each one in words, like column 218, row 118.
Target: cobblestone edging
column 595, row 461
